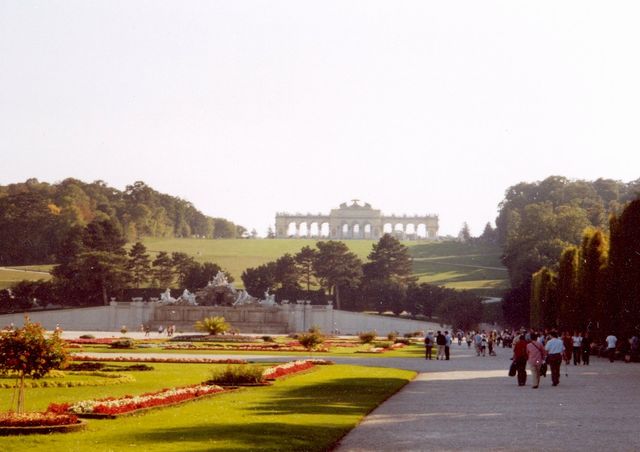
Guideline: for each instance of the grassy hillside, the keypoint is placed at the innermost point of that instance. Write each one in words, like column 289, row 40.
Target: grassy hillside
column 451, row 264
column 12, row 275
column 457, row 265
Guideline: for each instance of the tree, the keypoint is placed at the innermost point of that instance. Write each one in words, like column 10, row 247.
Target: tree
column 465, row 233
column 304, row 260
column 102, row 273
column 336, row 267
column 570, row 314
column 163, row 269
column 182, row 265
column 287, row 272
column 27, row 352
column 489, row 234
column 139, row 265
column 543, row 306
column 200, row 274
column 390, row 260
column 259, row 279
column 591, row 278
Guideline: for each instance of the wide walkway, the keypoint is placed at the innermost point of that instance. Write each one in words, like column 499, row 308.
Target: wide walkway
column 469, row 403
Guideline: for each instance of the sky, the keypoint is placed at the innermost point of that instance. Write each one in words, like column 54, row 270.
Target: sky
column 248, row 108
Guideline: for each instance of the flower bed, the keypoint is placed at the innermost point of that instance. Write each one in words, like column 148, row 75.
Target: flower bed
column 36, row 422
column 143, row 359
column 273, row 373
column 245, row 348
column 111, row 407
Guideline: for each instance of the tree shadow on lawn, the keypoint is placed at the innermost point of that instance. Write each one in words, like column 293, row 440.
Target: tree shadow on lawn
column 241, row 436
column 343, row 396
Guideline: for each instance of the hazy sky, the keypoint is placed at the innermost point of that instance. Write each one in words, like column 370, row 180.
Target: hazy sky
column 246, row 108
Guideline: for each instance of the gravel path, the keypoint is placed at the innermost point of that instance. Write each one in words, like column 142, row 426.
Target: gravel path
column 469, row 403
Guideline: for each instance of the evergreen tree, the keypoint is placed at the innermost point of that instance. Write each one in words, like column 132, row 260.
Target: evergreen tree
column 570, row 314
column 139, row 265
column 337, row 267
column 163, row 270
column 304, row 260
column 182, row 266
column 592, row 271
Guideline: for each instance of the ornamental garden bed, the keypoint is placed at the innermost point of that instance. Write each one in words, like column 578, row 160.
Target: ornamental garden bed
column 144, row 359
column 111, row 407
column 39, row 423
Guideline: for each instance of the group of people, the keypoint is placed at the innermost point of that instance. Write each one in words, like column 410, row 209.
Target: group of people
column 442, row 342
column 538, row 351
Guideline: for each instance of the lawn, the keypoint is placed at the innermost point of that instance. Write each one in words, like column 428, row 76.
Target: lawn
column 10, row 276
column 309, row 411
column 474, row 267
column 441, row 263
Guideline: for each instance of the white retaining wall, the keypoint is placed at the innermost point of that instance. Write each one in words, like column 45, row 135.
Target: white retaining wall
column 300, row 317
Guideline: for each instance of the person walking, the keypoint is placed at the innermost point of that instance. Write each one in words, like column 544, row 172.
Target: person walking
column 441, row 341
column 447, row 345
column 535, row 357
column 567, row 341
column 554, row 349
column 428, row 345
column 520, row 358
column 611, row 346
column 477, row 339
column 577, row 347
column 586, row 348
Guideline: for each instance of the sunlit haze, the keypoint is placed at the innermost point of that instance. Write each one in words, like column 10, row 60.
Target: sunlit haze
column 247, row 108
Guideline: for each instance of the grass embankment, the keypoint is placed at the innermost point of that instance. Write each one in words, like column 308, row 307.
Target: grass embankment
column 310, row 412
column 12, row 275
column 474, row 267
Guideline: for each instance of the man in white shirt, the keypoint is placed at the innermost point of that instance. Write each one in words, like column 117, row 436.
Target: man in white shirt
column 577, row 348
column 611, row 346
column 554, row 348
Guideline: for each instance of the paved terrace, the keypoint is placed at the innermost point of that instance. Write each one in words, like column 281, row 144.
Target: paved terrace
column 469, row 403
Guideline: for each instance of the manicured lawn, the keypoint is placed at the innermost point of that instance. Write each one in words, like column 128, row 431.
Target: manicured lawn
column 442, row 263
column 10, row 276
column 309, row 411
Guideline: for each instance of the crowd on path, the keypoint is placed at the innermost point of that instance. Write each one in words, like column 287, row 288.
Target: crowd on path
column 538, row 350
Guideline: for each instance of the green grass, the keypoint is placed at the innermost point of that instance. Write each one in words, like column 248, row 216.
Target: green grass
column 442, row 263
column 11, row 276
column 309, row 411
column 474, row 267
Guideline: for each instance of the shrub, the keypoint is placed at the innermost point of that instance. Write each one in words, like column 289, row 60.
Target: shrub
column 124, row 343
column 212, row 325
column 315, row 329
column 87, row 336
column 310, row 340
column 392, row 335
column 402, row 340
column 367, row 337
column 267, row 339
column 237, row 374
column 407, row 335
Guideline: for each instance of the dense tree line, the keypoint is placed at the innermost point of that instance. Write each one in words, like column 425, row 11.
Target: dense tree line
column 383, row 283
column 36, row 217
column 95, row 266
column 594, row 286
column 538, row 221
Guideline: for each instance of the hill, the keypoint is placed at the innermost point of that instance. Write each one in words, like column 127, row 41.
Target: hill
column 468, row 266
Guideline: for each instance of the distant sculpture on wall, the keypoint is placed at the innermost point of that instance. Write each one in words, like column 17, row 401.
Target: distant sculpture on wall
column 187, row 298
column 165, row 297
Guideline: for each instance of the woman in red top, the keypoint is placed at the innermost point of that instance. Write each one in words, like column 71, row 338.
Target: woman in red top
column 520, row 358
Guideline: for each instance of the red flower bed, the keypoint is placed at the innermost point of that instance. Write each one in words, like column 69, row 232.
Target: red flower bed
column 111, row 406
column 246, row 348
column 143, row 359
column 36, row 419
column 273, row 373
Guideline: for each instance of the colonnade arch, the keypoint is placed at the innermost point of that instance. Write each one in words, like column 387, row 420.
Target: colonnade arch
column 301, row 229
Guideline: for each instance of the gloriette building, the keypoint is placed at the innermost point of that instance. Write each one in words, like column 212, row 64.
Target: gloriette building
column 355, row 221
